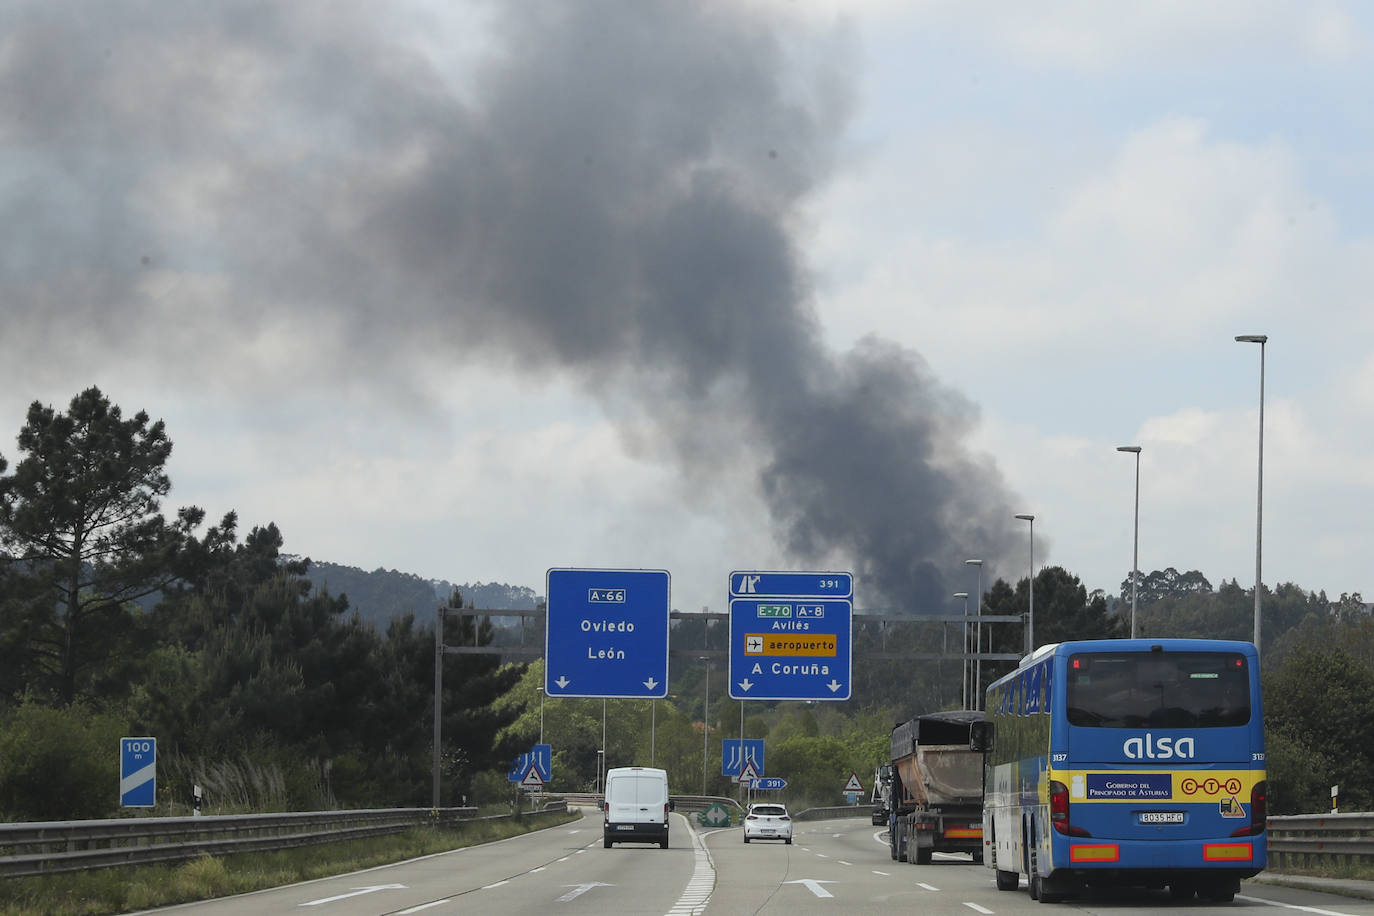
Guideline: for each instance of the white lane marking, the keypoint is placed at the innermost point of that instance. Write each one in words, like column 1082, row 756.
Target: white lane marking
column 579, row 889
column 540, row 868
column 424, row 906
column 883, row 873
column 1291, row 906
column 356, row 892
column 814, row 886
column 565, row 858
column 973, row 906
column 702, row 884
column 497, row 884
column 822, row 855
column 836, row 836
column 926, row 886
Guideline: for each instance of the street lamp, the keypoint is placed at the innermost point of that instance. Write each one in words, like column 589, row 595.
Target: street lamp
column 541, row 713
column 978, row 638
column 1135, row 552
column 963, row 671
column 1260, row 339
column 705, row 722
column 1030, row 585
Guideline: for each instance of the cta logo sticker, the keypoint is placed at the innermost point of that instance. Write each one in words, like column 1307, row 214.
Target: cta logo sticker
column 1152, row 748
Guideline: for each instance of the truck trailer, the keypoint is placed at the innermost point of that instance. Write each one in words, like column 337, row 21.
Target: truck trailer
column 936, row 799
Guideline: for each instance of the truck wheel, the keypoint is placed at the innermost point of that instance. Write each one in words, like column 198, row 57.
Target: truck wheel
column 923, row 854
column 608, row 843
column 1007, row 880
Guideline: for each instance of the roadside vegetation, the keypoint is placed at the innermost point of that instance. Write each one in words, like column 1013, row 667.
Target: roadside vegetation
column 120, row 890
column 272, row 693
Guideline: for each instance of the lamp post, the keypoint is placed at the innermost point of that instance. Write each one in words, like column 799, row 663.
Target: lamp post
column 1135, row 551
column 705, row 723
column 1030, row 586
column 963, row 671
column 978, row 638
column 1260, row 339
column 541, row 713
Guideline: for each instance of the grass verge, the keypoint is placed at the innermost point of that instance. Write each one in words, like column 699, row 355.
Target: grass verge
column 120, row 890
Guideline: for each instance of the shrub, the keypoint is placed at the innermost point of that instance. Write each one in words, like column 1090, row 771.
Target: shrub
column 59, row 763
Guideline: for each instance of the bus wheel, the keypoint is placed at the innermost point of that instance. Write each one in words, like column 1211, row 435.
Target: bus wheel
column 1222, row 891
column 1007, row 880
column 1181, row 891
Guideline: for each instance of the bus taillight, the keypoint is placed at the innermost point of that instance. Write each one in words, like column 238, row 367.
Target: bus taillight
column 1059, row 810
column 1259, row 811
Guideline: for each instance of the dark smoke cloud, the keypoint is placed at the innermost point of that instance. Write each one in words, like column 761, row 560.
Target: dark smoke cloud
column 611, row 190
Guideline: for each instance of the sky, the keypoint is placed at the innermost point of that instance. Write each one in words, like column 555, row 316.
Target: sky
column 476, row 290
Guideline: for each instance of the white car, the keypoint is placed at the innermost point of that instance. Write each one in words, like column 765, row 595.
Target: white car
column 768, row 822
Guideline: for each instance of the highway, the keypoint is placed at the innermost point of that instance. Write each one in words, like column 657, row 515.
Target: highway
column 833, row 867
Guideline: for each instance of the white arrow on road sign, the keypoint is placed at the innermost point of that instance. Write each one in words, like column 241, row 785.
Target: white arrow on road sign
column 745, row 684
column 579, row 889
column 562, row 681
column 814, row 886
column 357, row 892
column 834, row 685
column 651, row 683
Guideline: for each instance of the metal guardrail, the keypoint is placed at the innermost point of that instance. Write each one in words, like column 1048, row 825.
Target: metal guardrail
column 818, row 814
column 1295, row 841
column 1302, row 840
column 681, row 802
column 696, row 803
column 63, row 846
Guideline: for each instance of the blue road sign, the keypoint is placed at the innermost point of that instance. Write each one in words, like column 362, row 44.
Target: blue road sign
column 770, row 783
column 730, row 761
column 763, row 584
column 540, row 757
column 606, row 633
column 137, row 772
column 790, row 647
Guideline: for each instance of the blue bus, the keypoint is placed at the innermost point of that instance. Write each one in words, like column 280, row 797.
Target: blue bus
column 1126, row 762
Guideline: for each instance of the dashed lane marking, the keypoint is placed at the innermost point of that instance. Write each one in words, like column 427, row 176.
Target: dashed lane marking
column 703, row 881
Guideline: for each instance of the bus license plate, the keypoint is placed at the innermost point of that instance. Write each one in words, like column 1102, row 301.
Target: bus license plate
column 1161, row 817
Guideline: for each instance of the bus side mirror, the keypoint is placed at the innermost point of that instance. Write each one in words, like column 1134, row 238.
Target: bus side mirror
column 980, row 737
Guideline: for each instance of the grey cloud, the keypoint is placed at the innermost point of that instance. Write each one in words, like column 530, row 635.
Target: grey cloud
column 612, row 191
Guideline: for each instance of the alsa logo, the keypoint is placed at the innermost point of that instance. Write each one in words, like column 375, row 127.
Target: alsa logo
column 1152, row 748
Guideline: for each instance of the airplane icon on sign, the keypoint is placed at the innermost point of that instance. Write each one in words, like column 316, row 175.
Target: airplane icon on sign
column 753, row 645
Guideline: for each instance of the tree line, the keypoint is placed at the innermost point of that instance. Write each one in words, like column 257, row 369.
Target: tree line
column 274, row 693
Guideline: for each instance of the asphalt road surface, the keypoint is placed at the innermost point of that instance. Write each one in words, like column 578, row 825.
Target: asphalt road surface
column 832, row 867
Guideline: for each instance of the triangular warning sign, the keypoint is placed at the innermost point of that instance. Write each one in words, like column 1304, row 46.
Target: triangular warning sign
column 532, row 778
column 853, row 784
column 749, row 772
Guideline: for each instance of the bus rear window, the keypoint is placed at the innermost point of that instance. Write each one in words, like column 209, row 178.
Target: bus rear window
column 1158, row 690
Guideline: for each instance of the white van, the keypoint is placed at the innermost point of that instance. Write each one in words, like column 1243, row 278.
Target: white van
column 637, row 806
